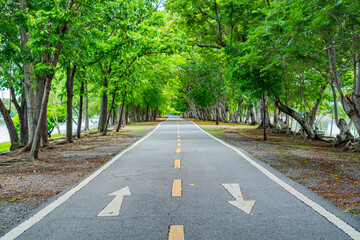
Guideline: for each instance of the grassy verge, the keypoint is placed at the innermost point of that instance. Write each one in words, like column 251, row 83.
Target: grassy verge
column 5, row 146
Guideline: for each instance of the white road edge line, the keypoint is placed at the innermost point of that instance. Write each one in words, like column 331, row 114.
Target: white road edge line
column 349, row 230
column 17, row 231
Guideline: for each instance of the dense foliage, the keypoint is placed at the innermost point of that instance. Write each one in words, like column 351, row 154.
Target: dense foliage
column 66, row 61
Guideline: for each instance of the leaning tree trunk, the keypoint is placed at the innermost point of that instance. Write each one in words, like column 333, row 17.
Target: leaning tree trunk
column 297, row 116
column 14, row 138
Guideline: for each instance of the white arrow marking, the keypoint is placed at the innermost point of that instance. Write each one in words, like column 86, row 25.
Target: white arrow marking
column 113, row 208
column 234, row 190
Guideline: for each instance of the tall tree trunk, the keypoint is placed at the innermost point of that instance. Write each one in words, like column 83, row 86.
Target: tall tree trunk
column 86, row 129
column 14, row 138
column 45, row 134
column 263, row 103
column 127, row 115
column 51, row 60
column 264, row 116
column 113, row 116
column 335, row 105
column 39, row 95
column 70, row 75
column 147, row 113
column 276, row 117
column 35, row 148
column 29, row 85
column 24, row 130
column 78, row 132
column 21, row 110
column 103, row 107
column 287, row 120
column 109, row 114
column 350, row 101
column 217, row 113
column 121, row 113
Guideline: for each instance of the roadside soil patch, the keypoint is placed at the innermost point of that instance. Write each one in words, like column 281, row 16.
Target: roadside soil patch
column 330, row 172
column 24, row 184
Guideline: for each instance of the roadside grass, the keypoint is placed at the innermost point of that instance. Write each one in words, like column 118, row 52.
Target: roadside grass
column 5, row 147
column 56, row 135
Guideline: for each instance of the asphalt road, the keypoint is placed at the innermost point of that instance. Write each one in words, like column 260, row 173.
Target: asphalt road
column 194, row 206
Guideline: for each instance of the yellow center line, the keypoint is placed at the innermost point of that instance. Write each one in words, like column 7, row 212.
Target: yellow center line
column 178, row 144
column 179, row 140
column 178, row 136
column 176, row 232
column 177, row 163
column 176, row 188
column 178, row 150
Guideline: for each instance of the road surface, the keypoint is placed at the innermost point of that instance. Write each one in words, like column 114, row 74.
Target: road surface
column 179, row 182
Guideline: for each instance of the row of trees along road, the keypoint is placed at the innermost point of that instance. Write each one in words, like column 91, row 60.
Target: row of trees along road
column 232, row 61
column 74, row 56
column 298, row 57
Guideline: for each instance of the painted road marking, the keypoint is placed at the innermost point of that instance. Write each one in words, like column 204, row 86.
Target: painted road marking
column 176, row 188
column 179, row 140
column 177, row 163
column 14, row 233
column 178, row 136
column 176, row 232
column 234, row 190
column 349, row 230
column 178, row 144
column 178, row 150
column 113, row 208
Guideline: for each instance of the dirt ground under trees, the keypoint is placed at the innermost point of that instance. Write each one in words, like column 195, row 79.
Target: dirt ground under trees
column 24, row 184
column 330, row 172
